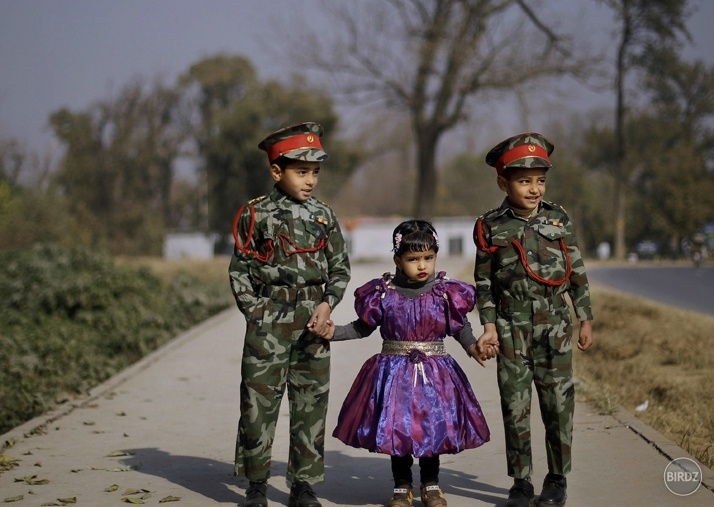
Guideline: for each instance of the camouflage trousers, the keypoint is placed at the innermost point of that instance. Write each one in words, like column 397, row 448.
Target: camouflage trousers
column 536, row 348
column 279, row 352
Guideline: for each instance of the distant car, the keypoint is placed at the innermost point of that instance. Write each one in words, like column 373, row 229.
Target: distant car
column 647, row 249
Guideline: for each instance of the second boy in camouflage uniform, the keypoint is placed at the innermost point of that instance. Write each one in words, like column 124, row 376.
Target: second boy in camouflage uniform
column 527, row 260
column 288, row 271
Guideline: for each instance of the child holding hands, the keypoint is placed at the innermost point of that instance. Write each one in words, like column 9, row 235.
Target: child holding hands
column 413, row 399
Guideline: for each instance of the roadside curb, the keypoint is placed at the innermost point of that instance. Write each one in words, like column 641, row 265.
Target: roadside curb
column 662, row 444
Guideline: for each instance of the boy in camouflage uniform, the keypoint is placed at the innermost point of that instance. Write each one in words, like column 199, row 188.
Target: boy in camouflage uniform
column 527, row 260
column 288, row 271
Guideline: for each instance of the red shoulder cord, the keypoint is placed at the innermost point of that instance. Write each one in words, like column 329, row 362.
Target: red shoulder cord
column 270, row 248
column 249, row 236
column 481, row 243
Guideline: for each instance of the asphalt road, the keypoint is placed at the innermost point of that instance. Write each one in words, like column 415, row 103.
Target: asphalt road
column 686, row 287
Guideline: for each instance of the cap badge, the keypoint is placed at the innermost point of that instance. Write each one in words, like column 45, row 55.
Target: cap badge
column 531, row 148
column 310, row 138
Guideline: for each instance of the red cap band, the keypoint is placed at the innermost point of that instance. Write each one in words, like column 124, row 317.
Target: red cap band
column 522, row 151
column 296, row 142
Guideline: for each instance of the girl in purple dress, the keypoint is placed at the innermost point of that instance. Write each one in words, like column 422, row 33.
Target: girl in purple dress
column 413, row 399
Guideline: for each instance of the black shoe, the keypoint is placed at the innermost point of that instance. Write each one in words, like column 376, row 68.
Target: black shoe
column 554, row 491
column 521, row 493
column 255, row 495
column 302, row 495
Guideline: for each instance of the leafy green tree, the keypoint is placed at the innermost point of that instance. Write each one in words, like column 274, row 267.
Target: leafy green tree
column 119, row 163
column 236, row 111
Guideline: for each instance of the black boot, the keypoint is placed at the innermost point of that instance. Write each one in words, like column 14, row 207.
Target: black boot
column 255, row 495
column 521, row 493
column 302, row 495
column 554, row 491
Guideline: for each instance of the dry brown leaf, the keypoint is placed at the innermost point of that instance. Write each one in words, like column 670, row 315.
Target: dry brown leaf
column 117, row 454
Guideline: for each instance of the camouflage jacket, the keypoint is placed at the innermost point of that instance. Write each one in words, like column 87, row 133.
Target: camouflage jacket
column 526, row 260
column 282, row 242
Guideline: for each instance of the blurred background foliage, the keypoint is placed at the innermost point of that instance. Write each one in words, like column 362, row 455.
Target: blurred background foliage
column 158, row 157
column 72, row 317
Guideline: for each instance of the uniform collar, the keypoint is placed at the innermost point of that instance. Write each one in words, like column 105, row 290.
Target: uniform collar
column 506, row 208
column 280, row 197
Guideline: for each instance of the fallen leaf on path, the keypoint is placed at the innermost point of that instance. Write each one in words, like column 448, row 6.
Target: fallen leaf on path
column 32, row 480
column 170, row 499
column 117, row 454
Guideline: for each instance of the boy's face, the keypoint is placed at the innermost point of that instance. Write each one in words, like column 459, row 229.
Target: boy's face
column 298, row 179
column 525, row 187
column 418, row 266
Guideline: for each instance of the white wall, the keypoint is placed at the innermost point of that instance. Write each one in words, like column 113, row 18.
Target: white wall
column 192, row 245
column 371, row 238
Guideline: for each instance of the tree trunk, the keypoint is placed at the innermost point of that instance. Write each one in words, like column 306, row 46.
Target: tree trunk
column 426, row 176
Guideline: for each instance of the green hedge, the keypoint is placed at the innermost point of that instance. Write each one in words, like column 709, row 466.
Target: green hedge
column 71, row 318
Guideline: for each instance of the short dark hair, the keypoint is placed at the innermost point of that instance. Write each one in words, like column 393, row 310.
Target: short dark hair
column 414, row 236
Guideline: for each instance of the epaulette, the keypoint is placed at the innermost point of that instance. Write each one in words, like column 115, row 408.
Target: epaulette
column 555, row 206
column 323, row 203
column 257, row 199
column 487, row 213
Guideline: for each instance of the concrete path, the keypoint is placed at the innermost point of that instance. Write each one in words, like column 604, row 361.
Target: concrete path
column 165, row 429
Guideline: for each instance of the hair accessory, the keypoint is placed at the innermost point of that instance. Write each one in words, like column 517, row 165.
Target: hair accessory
column 397, row 241
column 436, row 238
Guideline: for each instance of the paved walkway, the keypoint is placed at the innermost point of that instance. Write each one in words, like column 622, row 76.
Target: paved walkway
column 165, row 427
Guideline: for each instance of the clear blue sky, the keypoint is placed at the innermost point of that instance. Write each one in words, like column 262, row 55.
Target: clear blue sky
column 72, row 53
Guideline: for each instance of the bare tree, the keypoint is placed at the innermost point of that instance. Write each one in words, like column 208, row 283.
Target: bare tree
column 434, row 60
column 643, row 26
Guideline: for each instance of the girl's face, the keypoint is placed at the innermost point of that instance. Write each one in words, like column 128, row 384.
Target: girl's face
column 418, row 266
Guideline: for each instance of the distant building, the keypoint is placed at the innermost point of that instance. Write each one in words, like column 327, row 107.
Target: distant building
column 189, row 245
column 370, row 237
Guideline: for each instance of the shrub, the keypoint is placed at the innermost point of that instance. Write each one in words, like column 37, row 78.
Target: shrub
column 70, row 318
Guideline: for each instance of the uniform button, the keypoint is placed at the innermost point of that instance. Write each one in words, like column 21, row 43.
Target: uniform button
column 530, row 252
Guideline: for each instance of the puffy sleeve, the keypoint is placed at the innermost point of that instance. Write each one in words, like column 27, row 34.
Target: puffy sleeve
column 368, row 302
column 461, row 298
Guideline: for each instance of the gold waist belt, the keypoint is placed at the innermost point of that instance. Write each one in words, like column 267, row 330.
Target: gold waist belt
column 394, row 347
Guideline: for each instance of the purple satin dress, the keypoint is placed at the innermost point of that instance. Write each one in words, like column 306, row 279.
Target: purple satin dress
column 394, row 410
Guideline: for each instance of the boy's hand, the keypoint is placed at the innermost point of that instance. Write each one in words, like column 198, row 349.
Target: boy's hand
column 318, row 321
column 486, row 347
column 585, row 338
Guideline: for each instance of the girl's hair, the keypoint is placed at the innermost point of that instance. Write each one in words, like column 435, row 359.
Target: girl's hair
column 414, row 236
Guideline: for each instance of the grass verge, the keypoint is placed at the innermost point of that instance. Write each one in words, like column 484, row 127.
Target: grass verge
column 649, row 352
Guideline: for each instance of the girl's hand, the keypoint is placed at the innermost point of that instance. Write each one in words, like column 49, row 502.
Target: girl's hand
column 329, row 332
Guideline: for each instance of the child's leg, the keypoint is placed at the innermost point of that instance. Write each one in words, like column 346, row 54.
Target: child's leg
column 263, row 376
column 515, row 374
column 431, row 494
column 402, row 470
column 429, row 470
column 308, row 391
column 553, row 377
